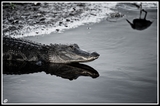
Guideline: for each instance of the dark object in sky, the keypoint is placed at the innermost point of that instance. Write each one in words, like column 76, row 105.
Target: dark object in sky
column 140, row 24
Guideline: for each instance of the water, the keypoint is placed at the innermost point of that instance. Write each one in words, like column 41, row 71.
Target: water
column 127, row 67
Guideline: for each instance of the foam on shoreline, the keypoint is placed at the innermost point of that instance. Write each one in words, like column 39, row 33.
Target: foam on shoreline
column 92, row 12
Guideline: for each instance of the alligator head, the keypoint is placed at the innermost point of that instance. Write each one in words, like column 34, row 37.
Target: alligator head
column 24, row 50
column 69, row 54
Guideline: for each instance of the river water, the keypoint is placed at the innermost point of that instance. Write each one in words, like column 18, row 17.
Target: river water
column 127, row 67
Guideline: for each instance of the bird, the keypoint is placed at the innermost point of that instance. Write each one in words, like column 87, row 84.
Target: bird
column 140, row 23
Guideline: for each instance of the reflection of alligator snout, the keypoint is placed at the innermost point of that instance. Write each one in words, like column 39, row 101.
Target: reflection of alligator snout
column 67, row 71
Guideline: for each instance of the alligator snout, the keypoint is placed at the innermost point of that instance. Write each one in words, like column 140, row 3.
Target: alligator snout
column 95, row 54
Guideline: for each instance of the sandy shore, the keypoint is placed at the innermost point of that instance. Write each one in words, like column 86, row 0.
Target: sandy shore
column 31, row 19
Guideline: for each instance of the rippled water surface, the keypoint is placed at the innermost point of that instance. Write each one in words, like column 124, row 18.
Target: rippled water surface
column 127, row 67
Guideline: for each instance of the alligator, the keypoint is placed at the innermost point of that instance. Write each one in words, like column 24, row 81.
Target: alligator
column 25, row 50
column 66, row 71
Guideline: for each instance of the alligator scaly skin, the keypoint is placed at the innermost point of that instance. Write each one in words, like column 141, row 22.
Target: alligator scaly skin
column 24, row 50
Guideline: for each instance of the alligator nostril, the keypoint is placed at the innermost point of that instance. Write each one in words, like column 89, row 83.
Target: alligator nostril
column 94, row 54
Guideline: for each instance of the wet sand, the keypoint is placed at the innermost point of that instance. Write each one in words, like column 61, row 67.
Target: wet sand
column 32, row 19
column 127, row 67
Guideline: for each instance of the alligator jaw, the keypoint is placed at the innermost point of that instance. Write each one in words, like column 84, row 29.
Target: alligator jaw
column 93, row 56
column 89, row 59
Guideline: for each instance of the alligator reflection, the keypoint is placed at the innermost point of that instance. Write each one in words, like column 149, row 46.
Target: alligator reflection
column 140, row 24
column 66, row 71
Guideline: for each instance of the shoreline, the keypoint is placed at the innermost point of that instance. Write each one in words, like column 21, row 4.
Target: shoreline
column 47, row 18
column 34, row 19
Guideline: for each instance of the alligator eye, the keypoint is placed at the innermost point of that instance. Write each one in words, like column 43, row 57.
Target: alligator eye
column 71, row 46
column 75, row 45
